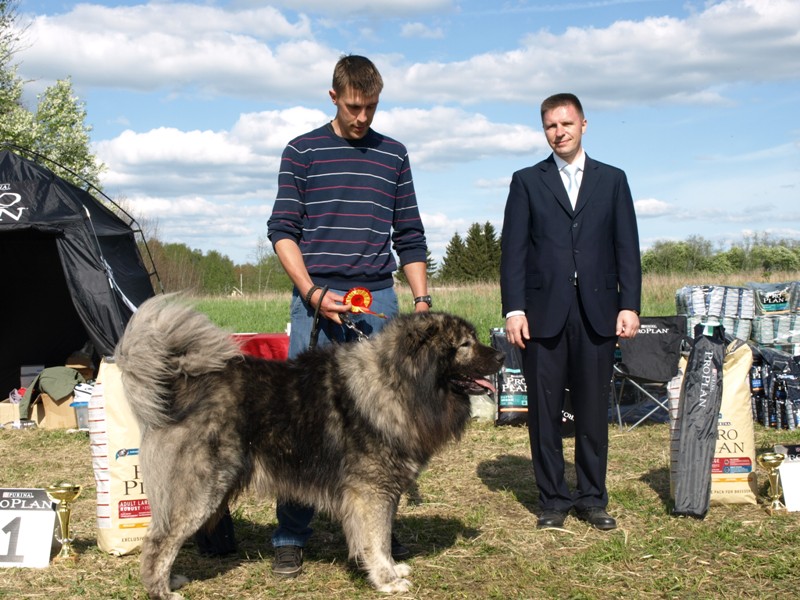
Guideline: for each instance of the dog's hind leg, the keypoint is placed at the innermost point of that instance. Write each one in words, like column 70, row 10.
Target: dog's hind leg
column 182, row 499
column 162, row 544
column 158, row 553
column 367, row 524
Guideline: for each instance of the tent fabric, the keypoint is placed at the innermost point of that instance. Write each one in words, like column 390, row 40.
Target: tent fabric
column 698, row 422
column 71, row 270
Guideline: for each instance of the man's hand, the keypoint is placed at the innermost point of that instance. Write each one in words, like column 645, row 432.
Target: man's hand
column 332, row 305
column 517, row 331
column 627, row 324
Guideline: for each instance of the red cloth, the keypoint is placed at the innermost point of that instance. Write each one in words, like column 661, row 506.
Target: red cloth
column 273, row 346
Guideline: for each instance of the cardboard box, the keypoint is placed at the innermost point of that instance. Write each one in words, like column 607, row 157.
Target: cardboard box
column 49, row 413
column 82, row 364
column 8, row 412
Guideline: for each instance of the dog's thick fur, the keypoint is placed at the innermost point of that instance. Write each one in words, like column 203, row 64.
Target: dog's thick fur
column 346, row 428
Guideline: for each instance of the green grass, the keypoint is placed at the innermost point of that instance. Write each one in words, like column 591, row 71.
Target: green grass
column 478, row 303
column 470, row 525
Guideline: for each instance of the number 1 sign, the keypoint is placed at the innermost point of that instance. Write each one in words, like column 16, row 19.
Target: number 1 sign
column 27, row 522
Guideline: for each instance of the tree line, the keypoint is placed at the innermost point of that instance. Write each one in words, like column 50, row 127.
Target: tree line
column 473, row 258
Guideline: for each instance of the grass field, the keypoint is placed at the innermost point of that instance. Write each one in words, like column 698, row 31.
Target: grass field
column 470, row 525
column 470, row 522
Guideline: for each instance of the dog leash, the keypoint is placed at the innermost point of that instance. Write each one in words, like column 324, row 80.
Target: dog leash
column 346, row 321
column 312, row 343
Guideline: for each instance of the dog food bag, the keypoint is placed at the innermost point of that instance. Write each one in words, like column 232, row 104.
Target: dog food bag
column 123, row 512
column 512, row 391
column 733, row 473
column 698, row 412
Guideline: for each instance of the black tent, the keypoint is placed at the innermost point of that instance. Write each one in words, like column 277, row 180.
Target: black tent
column 71, row 270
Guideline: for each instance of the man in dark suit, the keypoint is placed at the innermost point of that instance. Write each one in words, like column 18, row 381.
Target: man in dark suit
column 570, row 278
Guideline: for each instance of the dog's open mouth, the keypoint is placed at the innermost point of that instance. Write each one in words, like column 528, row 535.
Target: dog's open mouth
column 472, row 386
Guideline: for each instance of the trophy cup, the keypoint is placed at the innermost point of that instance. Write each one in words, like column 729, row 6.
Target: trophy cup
column 770, row 461
column 63, row 493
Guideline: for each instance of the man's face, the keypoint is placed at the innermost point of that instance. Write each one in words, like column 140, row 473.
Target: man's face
column 354, row 113
column 564, row 129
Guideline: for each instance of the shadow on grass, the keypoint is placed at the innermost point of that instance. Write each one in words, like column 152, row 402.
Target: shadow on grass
column 510, row 473
column 658, row 480
column 423, row 536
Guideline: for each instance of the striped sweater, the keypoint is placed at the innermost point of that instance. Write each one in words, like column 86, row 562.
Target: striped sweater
column 347, row 203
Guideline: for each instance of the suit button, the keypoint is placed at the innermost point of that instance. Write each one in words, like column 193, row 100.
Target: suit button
column 576, row 251
column 574, row 225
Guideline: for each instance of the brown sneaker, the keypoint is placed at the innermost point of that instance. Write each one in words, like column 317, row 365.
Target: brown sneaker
column 288, row 561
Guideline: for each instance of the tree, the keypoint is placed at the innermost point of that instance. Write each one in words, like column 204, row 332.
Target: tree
column 452, row 269
column 430, row 270
column 57, row 129
column 482, row 254
column 219, row 276
column 689, row 256
column 62, row 135
column 15, row 121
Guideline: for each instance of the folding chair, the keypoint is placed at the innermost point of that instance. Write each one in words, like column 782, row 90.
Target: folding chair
column 647, row 363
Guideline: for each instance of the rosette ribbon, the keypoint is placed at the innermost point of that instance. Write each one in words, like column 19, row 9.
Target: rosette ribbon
column 360, row 299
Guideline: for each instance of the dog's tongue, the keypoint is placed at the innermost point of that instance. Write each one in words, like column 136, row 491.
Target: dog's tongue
column 485, row 383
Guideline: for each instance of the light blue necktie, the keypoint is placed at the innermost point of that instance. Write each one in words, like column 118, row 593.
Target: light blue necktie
column 572, row 183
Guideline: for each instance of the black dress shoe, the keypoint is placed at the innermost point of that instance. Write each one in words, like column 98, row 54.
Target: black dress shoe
column 597, row 517
column 551, row 518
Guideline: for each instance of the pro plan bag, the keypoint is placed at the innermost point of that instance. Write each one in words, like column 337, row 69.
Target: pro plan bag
column 123, row 512
column 698, row 418
column 733, row 472
column 512, row 392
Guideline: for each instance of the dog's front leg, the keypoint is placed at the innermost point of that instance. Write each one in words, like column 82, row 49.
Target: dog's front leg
column 367, row 524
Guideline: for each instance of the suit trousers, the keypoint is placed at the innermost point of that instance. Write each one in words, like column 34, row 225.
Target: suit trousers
column 579, row 360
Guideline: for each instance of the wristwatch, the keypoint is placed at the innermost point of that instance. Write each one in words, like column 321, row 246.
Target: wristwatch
column 426, row 299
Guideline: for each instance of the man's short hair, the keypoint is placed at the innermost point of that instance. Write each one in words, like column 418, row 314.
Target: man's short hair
column 358, row 73
column 557, row 100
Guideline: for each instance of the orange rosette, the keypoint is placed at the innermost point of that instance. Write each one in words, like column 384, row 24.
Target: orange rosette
column 360, row 299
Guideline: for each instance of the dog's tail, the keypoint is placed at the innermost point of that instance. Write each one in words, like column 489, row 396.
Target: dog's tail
column 166, row 341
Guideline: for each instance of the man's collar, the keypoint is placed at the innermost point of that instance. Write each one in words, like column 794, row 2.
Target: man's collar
column 580, row 161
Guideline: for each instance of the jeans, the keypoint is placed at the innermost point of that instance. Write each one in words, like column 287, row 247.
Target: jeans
column 294, row 519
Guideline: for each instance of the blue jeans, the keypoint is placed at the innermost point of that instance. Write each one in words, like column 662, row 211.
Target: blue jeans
column 294, row 519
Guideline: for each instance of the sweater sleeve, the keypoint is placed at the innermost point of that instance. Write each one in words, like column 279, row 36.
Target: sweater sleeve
column 408, row 237
column 288, row 212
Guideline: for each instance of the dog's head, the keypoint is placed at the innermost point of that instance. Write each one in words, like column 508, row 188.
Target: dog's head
column 446, row 348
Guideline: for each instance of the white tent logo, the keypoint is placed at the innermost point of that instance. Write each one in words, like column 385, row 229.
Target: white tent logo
column 7, row 200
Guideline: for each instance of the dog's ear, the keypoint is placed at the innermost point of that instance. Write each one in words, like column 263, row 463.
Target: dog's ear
column 420, row 332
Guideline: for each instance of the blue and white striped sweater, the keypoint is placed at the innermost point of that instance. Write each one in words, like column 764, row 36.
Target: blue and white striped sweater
column 347, row 203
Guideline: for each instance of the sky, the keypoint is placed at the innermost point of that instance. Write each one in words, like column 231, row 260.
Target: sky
column 191, row 103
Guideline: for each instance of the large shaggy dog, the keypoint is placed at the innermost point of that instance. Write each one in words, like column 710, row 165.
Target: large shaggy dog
column 346, row 428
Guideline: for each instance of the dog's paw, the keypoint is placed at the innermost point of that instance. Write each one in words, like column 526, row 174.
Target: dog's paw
column 402, row 569
column 396, row 586
column 176, row 582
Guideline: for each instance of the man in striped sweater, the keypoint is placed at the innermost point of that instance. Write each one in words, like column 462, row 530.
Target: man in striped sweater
column 345, row 201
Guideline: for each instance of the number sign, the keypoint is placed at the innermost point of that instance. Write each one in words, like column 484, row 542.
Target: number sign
column 27, row 522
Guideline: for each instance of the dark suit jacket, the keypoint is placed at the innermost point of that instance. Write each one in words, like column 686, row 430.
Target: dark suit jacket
column 545, row 242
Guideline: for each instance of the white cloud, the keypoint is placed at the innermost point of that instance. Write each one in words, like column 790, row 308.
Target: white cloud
column 259, row 52
column 442, row 136
column 420, row 30
column 361, row 8
column 650, row 207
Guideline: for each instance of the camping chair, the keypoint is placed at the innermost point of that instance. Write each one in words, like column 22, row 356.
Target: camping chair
column 647, row 363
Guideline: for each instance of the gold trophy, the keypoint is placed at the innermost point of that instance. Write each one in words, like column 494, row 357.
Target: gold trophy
column 770, row 461
column 63, row 493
